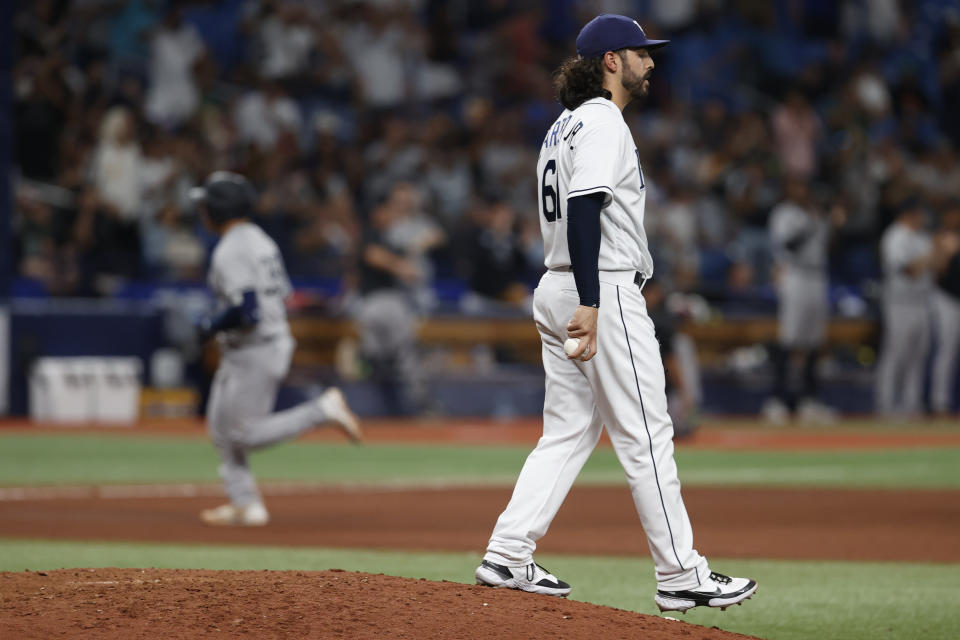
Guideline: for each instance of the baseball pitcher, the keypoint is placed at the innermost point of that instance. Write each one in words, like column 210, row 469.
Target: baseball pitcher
column 592, row 196
column 250, row 283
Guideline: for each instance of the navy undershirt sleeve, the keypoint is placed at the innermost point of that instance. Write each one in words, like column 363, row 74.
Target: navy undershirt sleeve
column 245, row 314
column 583, row 242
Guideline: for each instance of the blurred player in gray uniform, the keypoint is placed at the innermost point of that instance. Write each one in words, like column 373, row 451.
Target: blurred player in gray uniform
column 799, row 235
column 906, row 257
column 592, row 201
column 394, row 272
column 946, row 311
column 250, row 283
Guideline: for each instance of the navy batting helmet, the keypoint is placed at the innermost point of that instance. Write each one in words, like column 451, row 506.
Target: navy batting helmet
column 226, row 195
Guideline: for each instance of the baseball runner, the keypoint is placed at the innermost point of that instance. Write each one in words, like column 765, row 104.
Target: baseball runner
column 592, row 197
column 250, row 283
column 905, row 253
column 799, row 235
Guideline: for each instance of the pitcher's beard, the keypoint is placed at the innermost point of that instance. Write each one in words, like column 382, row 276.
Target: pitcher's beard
column 637, row 87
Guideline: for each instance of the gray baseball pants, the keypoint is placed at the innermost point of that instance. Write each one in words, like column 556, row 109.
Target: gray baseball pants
column 903, row 354
column 803, row 310
column 946, row 320
column 240, row 414
column 387, row 323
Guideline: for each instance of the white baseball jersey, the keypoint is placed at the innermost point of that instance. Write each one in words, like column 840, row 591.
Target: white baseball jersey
column 591, row 150
column 899, row 247
column 248, row 259
column 622, row 389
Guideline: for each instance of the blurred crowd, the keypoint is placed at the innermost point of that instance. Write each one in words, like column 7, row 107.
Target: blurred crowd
column 422, row 119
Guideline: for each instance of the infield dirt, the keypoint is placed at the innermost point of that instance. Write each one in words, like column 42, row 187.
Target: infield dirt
column 135, row 603
column 912, row 526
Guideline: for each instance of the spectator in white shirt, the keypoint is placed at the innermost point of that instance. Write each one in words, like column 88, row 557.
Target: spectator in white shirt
column 117, row 162
column 287, row 38
column 262, row 116
column 174, row 51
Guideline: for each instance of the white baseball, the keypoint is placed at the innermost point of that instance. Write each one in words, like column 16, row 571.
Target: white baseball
column 571, row 345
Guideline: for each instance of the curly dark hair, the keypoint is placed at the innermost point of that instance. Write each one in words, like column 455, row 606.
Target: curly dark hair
column 579, row 79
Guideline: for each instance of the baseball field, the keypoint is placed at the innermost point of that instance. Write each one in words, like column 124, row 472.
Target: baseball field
column 851, row 532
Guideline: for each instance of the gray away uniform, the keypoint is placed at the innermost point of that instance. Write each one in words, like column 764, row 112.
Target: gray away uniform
column 906, row 321
column 254, row 361
column 946, row 316
column 800, row 240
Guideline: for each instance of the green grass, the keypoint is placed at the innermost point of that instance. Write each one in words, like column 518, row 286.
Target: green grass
column 64, row 459
column 908, row 468
column 796, row 601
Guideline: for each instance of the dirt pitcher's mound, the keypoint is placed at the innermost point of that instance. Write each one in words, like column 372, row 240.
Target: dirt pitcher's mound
column 187, row 604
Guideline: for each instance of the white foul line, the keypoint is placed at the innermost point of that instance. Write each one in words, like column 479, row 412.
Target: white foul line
column 194, row 490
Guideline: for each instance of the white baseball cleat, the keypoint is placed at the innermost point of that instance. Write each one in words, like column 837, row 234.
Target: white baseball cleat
column 815, row 412
column 228, row 515
column 718, row 591
column 336, row 410
column 775, row 412
column 531, row 577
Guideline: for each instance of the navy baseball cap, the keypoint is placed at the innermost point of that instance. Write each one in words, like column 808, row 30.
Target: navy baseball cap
column 609, row 32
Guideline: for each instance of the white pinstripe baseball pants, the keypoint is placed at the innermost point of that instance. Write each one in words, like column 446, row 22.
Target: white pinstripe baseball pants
column 621, row 388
